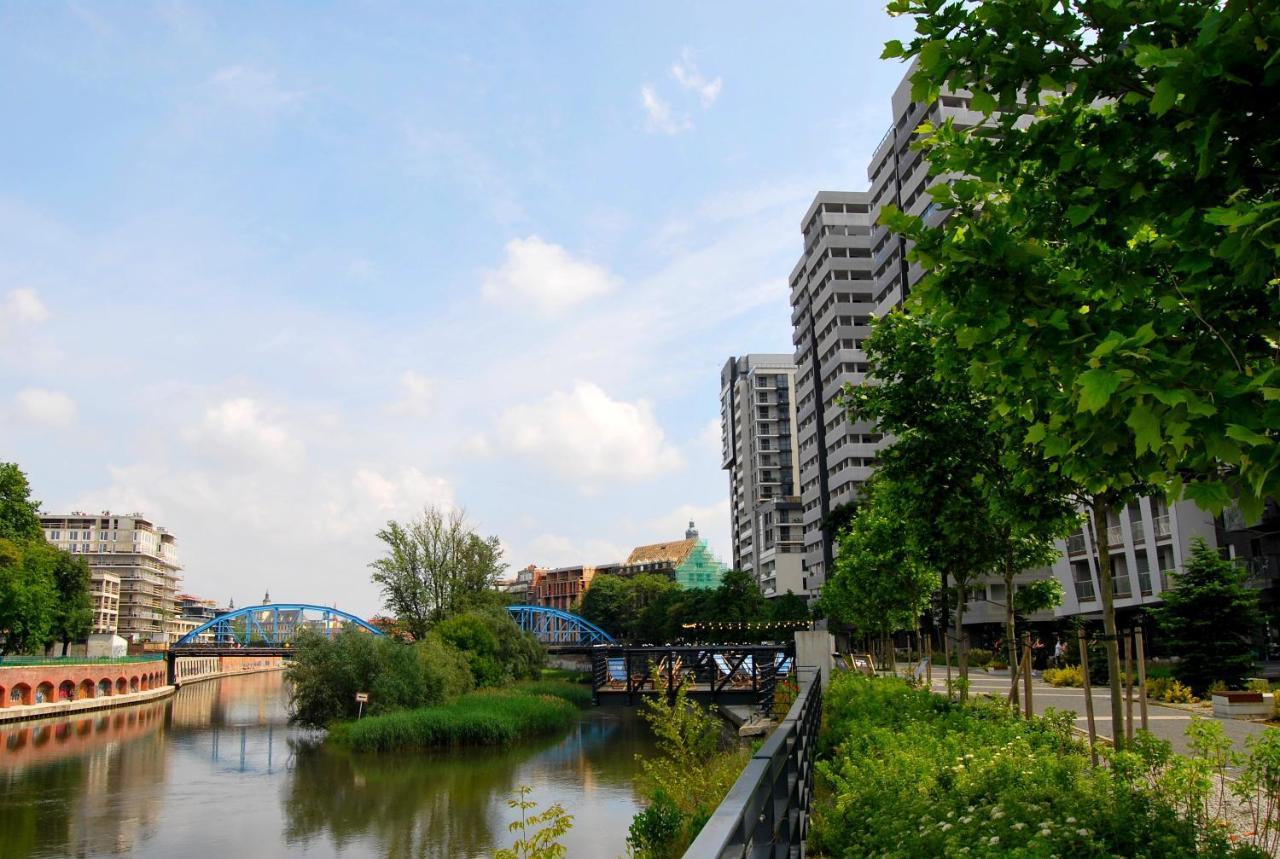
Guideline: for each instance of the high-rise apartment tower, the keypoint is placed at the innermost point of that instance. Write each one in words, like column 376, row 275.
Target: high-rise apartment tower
column 758, row 437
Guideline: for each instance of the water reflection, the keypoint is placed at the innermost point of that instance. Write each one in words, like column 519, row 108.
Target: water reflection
column 217, row 770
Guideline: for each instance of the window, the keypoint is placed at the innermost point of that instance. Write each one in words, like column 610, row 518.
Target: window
column 997, row 593
column 1121, row 587
column 1082, row 578
column 1144, row 573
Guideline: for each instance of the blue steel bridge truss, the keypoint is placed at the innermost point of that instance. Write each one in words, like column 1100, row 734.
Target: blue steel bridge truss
column 277, row 624
column 552, row 626
column 272, row 625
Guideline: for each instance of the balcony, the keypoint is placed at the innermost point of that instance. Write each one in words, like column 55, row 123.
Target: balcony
column 1075, row 544
column 1162, row 526
column 1115, row 535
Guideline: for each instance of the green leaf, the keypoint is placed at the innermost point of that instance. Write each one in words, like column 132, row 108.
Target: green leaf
column 1230, row 217
column 1246, row 435
column 1096, row 388
column 1209, row 495
column 1166, row 95
column 967, row 337
column 1035, row 434
column 1106, row 347
column 1078, row 214
column 1146, row 428
column 983, row 102
column 892, row 48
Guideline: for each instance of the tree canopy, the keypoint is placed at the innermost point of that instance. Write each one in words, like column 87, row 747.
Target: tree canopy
column 435, row 566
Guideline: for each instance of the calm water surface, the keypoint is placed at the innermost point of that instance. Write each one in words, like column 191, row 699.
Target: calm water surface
column 217, row 771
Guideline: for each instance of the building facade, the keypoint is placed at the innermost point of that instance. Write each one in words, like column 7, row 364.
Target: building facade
column 757, row 423
column 104, row 594
column 142, row 556
column 832, row 303
column 560, row 587
column 688, row 562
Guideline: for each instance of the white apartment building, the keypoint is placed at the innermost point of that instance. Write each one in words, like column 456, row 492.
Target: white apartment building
column 142, row 557
column 757, row 424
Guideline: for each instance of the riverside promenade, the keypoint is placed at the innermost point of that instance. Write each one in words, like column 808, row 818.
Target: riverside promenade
column 1166, row 722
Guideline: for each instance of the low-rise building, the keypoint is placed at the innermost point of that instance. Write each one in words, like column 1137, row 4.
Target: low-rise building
column 560, row 587
column 689, row 561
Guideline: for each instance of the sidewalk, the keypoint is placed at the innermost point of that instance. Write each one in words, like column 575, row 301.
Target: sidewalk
column 1167, row 723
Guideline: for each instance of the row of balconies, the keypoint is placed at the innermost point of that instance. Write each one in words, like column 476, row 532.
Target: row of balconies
column 1115, row 534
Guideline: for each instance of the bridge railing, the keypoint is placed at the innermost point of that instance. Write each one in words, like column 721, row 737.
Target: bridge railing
column 766, row 812
column 726, row 673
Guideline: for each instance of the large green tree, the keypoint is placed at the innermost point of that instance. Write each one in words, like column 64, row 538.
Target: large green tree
column 1108, row 270
column 1210, row 617
column 878, row 585
column 19, row 512
column 965, row 501
column 73, row 618
column 435, row 566
column 28, row 595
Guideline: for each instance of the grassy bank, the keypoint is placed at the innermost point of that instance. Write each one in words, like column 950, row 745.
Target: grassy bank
column 490, row 717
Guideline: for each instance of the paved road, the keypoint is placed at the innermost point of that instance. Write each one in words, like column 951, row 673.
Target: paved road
column 1167, row 723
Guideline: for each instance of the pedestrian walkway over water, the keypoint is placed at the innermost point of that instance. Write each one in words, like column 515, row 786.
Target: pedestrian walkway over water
column 725, row 673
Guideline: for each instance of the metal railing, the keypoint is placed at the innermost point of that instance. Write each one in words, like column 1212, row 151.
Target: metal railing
column 79, row 660
column 766, row 812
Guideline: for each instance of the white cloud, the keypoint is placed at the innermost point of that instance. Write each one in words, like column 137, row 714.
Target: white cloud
column 24, row 306
column 686, row 72
column 240, row 428
column 546, row 276
column 658, row 114
column 418, row 397
column 586, row 435
column 253, row 89
column 46, row 408
column 555, row 550
column 405, row 493
column 712, row 437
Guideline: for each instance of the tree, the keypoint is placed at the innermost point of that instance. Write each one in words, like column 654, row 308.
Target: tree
column 1210, row 617
column 738, row 598
column 28, row 594
column 19, row 513
column 964, row 501
column 788, row 606
column 434, row 567
column 1107, row 271
column 74, row 611
column 878, row 585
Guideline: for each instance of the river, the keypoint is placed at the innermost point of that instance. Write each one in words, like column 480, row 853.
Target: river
column 217, row 771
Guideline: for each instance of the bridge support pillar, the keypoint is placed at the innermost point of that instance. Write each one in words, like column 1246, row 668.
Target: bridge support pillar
column 816, row 649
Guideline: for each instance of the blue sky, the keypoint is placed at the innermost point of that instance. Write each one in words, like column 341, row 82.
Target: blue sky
column 276, row 274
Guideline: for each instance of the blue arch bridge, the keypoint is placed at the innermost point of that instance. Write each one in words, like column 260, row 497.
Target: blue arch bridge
column 272, row 628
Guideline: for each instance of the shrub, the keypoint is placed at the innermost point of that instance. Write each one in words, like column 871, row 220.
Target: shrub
column 1217, row 687
column 1257, row 684
column 325, row 675
column 1072, row 675
column 905, row 768
column 1158, row 688
column 979, row 657
column 1179, row 694
column 656, row 831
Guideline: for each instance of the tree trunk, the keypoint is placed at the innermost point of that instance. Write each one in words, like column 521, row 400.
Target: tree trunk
column 1010, row 629
column 962, row 652
column 1101, row 506
column 66, row 643
column 942, row 631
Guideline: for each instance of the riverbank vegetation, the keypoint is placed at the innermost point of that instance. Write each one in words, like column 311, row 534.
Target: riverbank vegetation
column 693, row 768
column 489, row 717
column 903, row 767
column 470, row 651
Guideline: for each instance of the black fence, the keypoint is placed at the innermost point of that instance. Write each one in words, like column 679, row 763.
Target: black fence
column 728, row 674
column 766, row 812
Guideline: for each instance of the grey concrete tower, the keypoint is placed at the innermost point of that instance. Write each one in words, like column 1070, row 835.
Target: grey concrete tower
column 832, row 302
column 757, row 423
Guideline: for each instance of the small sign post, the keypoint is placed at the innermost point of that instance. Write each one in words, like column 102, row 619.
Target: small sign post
column 361, row 698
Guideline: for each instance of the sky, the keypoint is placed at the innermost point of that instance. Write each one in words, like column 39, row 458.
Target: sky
column 275, row 274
